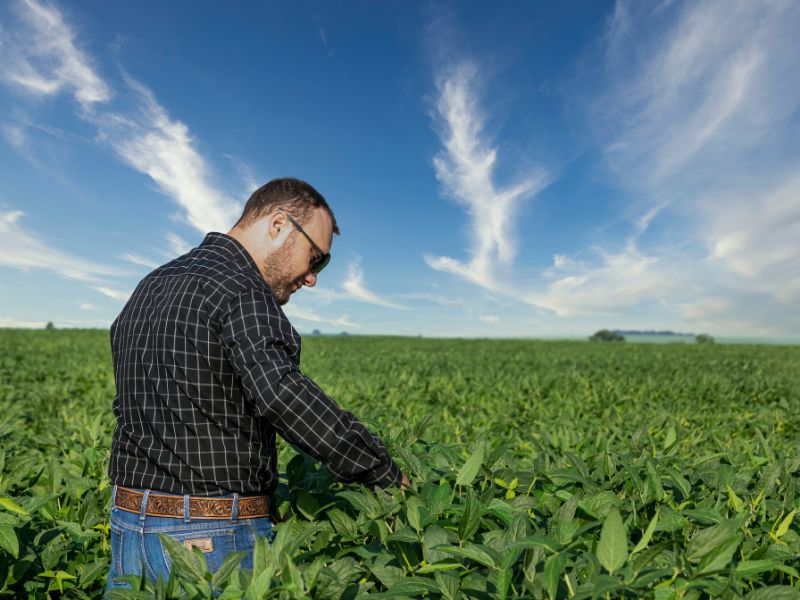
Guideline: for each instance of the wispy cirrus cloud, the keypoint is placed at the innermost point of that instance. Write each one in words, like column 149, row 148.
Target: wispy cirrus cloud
column 21, row 324
column 43, row 58
column 22, row 249
column 355, row 286
column 700, row 121
column 305, row 314
column 113, row 293
column 466, row 169
column 135, row 259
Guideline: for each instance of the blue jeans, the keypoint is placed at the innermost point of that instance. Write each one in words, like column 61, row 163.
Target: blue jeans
column 134, row 540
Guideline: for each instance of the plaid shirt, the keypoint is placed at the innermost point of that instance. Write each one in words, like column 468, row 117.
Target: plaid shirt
column 207, row 370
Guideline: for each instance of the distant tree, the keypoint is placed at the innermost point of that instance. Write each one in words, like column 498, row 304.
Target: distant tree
column 49, row 326
column 316, row 332
column 604, row 335
column 344, row 333
column 704, row 338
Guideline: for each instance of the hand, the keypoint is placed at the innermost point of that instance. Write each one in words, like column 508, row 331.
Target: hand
column 405, row 483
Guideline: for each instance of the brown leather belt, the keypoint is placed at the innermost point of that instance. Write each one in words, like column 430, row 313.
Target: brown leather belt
column 200, row 507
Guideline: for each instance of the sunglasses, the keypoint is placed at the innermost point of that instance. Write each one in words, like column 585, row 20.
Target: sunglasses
column 322, row 259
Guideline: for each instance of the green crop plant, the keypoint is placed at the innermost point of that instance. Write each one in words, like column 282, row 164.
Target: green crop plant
column 539, row 470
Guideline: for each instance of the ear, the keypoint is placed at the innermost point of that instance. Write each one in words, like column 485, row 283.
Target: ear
column 278, row 226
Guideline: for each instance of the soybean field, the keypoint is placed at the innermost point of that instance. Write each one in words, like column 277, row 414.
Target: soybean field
column 539, row 469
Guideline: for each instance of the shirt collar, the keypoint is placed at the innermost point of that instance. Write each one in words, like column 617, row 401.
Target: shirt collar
column 231, row 246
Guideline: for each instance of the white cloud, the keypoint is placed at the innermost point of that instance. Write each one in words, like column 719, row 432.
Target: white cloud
column 22, row 249
column 114, row 294
column 17, row 324
column 304, row 314
column 492, row 319
column 138, row 260
column 178, row 245
column 164, row 149
column 88, row 306
column 356, row 287
column 465, row 168
column 611, row 283
column 42, row 57
column 699, row 121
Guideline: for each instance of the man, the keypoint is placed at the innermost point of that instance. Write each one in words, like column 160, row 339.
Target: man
column 207, row 372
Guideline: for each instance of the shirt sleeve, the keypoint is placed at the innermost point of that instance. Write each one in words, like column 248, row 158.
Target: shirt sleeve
column 261, row 345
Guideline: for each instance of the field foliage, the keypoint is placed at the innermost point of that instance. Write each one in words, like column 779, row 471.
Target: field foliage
column 539, row 470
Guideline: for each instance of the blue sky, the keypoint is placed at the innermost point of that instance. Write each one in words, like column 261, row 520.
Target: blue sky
column 521, row 169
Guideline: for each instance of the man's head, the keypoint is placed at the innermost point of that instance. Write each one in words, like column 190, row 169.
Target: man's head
column 285, row 226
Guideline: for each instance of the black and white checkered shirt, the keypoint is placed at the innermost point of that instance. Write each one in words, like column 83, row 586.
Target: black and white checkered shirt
column 207, row 371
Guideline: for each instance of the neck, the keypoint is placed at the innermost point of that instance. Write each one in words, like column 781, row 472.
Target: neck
column 248, row 238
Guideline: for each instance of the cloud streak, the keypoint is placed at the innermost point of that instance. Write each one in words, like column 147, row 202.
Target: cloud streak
column 22, row 249
column 465, row 167
column 356, row 288
column 43, row 59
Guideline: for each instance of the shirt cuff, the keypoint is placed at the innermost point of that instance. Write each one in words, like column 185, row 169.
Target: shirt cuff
column 385, row 475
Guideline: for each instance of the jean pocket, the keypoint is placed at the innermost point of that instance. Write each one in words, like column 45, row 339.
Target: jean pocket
column 214, row 543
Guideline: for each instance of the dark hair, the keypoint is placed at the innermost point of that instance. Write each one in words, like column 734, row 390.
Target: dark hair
column 295, row 196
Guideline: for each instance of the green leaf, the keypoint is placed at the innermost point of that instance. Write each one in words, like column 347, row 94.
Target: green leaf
column 647, row 535
column 470, row 468
column 434, row 536
column 231, row 562
column 784, row 526
column 448, row 584
column 476, row 552
column 8, row 540
column 774, row 592
column 12, row 506
column 612, row 549
column 362, row 502
column 185, row 562
column 470, row 518
column 721, row 555
column 440, row 499
column 706, row 540
column 553, row 567
column 748, row 568
column 404, row 534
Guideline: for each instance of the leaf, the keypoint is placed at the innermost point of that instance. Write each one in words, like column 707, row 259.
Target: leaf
column 8, row 540
column 502, row 510
column 434, row 536
column 404, row 534
column 9, row 504
column 647, row 535
column 470, row 468
column 440, row 499
column 748, row 568
column 705, row 540
column 553, row 567
column 476, row 552
column 470, row 518
column 720, row 556
column 362, row 502
column 612, row 549
column 784, row 526
column 774, row 592
column 231, row 562
column 184, row 561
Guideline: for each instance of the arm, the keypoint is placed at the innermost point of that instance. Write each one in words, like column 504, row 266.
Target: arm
column 262, row 348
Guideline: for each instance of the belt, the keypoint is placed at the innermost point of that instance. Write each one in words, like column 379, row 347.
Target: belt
column 200, row 507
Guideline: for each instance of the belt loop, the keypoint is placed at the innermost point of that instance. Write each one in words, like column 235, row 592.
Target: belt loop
column 143, row 511
column 235, row 507
column 114, row 496
column 186, row 517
